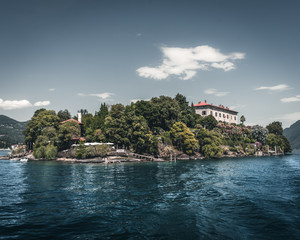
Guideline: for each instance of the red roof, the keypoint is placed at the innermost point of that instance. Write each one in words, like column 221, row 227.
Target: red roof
column 201, row 104
column 71, row 120
column 80, row 139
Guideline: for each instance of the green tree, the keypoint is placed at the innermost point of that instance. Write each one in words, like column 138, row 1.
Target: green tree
column 44, row 144
column 99, row 118
column 64, row 115
column 51, row 152
column 51, row 134
column 140, row 137
column 280, row 142
column 242, row 119
column 81, row 152
column 41, row 119
column 275, row 128
column 187, row 113
column 167, row 110
column 209, row 122
column 67, row 132
column 149, row 111
column 40, row 152
column 183, row 138
column 99, row 135
column 209, row 143
column 260, row 133
column 116, row 128
column 286, row 144
column 274, row 141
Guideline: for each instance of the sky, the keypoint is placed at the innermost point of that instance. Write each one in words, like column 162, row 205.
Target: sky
column 77, row 54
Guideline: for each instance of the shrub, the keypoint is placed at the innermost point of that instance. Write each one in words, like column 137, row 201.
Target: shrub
column 50, row 152
column 40, row 152
column 102, row 150
column 80, row 151
column 212, row 151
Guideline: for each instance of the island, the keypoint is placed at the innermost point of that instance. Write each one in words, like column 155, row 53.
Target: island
column 162, row 128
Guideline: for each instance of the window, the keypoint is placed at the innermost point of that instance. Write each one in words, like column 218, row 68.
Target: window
column 211, row 113
column 234, row 118
column 224, row 116
column 227, row 117
column 203, row 113
column 220, row 115
column 216, row 114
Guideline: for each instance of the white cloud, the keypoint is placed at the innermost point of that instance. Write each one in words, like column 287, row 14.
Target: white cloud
column 51, row 89
column 279, row 87
column 19, row 104
column 291, row 99
column 184, row 62
column 14, row 104
column 290, row 116
column 80, row 94
column 105, row 95
column 215, row 92
column 41, row 103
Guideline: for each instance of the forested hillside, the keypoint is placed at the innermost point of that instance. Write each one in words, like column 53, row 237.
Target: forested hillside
column 10, row 131
column 293, row 134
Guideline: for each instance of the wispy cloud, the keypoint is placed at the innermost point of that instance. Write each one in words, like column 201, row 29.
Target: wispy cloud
column 238, row 106
column 291, row 99
column 185, row 62
column 295, row 116
column 51, row 89
column 105, row 95
column 215, row 92
column 41, row 103
column 14, row 104
column 280, row 87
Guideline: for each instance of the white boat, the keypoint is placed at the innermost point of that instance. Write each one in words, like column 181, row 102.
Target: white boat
column 24, row 160
column 15, row 159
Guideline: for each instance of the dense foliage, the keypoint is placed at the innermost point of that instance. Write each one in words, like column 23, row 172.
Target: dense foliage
column 149, row 127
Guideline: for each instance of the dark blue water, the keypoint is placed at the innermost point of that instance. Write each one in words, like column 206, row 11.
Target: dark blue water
column 250, row 198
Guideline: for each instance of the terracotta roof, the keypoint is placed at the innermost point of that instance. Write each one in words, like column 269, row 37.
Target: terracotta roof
column 71, row 120
column 80, row 139
column 202, row 104
column 221, row 107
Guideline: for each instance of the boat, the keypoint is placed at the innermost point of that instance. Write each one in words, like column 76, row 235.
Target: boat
column 15, row 159
column 24, row 160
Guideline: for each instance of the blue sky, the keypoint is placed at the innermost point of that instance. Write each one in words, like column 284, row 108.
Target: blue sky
column 78, row 54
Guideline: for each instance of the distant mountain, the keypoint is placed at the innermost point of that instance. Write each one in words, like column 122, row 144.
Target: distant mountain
column 293, row 134
column 11, row 131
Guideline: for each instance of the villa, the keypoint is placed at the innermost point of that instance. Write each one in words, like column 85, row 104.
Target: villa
column 220, row 112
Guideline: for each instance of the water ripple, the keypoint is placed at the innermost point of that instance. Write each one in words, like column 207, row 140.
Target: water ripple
column 250, row 198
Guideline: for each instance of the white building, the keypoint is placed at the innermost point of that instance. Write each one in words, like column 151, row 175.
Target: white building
column 220, row 112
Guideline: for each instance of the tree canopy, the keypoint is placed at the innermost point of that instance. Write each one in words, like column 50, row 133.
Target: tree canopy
column 143, row 126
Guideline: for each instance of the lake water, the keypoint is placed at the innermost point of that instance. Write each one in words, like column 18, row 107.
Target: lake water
column 245, row 198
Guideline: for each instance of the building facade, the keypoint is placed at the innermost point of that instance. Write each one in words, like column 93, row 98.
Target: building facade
column 220, row 112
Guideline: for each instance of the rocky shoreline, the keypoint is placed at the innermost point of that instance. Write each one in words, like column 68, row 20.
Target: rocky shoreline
column 179, row 156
